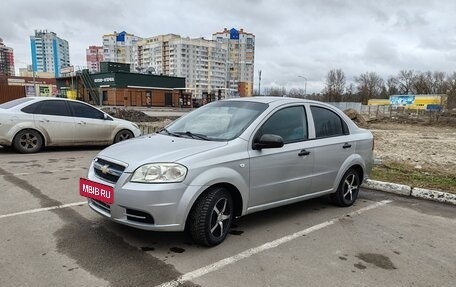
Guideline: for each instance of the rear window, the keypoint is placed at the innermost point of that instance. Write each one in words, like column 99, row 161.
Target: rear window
column 13, row 103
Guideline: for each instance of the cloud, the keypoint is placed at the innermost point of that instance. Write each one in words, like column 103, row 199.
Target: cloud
column 293, row 37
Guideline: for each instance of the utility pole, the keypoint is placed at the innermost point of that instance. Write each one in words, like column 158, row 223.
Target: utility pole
column 259, row 82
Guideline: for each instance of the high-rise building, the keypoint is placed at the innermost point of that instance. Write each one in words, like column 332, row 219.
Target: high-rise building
column 94, row 56
column 49, row 52
column 121, row 48
column 240, row 61
column 202, row 62
column 6, row 60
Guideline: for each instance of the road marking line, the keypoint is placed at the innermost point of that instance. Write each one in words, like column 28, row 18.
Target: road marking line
column 269, row 245
column 42, row 209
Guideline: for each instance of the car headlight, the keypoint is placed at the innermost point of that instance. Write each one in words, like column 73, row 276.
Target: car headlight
column 159, row 173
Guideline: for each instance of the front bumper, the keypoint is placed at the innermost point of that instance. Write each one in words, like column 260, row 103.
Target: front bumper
column 158, row 207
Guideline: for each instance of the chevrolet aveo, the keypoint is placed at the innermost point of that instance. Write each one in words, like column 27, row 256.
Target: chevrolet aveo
column 227, row 159
column 30, row 123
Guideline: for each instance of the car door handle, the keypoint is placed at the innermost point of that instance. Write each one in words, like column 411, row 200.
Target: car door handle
column 347, row 145
column 81, row 123
column 303, row 152
column 44, row 120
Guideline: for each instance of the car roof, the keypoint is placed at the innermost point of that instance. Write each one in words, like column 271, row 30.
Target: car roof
column 276, row 100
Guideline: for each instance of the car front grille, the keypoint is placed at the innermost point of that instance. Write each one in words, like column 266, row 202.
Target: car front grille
column 108, row 170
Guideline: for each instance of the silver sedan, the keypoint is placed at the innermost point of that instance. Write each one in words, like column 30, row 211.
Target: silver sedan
column 30, row 123
column 227, row 159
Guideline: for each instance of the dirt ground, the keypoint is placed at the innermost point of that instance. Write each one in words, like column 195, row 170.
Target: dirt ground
column 422, row 146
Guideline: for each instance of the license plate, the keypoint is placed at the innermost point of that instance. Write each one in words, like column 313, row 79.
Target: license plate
column 96, row 190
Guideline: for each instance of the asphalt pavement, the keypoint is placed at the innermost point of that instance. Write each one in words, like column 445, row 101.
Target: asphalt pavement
column 49, row 237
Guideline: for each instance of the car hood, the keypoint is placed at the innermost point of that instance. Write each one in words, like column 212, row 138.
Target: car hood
column 156, row 148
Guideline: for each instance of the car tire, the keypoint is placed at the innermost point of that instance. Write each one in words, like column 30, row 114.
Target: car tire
column 28, row 141
column 123, row 135
column 211, row 217
column 348, row 189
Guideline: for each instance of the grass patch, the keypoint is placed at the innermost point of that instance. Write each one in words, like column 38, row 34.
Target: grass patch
column 403, row 173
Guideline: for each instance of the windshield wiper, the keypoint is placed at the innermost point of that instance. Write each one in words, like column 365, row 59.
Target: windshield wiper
column 193, row 135
column 169, row 133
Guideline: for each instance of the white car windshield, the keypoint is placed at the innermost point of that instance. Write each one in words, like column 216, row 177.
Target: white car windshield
column 219, row 121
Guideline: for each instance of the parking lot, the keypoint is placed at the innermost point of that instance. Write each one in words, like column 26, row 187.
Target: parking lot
column 49, row 237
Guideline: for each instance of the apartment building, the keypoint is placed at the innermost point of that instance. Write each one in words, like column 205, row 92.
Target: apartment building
column 6, row 60
column 121, row 48
column 49, row 52
column 94, row 56
column 240, row 59
column 202, row 62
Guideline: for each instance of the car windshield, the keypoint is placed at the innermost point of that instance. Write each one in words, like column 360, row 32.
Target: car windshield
column 218, row 121
column 13, row 103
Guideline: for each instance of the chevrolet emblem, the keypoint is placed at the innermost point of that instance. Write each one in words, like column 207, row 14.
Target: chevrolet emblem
column 104, row 169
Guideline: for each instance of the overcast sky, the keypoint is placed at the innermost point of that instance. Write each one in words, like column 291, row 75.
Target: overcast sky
column 293, row 37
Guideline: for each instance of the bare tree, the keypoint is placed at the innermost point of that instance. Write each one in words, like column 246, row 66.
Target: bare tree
column 439, row 84
column 451, row 92
column 422, row 83
column 350, row 94
column 391, row 86
column 296, row 93
column 275, row 91
column 404, row 82
column 370, row 86
column 335, row 85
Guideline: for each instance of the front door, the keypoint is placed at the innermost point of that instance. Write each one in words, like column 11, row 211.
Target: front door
column 279, row 174
column 90, row 125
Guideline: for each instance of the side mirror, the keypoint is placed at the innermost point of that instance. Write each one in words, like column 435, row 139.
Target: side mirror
column 106, row 117
column 268, row 141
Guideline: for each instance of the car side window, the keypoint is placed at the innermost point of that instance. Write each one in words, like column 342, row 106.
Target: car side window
column 52, row 108
column 327, row 123
column 32, row 108
column 289, row 123
column 84, row 111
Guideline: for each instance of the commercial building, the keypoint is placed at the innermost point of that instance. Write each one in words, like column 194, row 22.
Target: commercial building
column 116, row 86
column 121, row 48
column 6, row 60
column 12, row 87
column 240, row 60
column 49, row 52
column 94, row 56
column 201, row 62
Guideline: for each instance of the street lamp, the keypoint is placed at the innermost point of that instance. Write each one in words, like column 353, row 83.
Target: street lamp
column 305, row 85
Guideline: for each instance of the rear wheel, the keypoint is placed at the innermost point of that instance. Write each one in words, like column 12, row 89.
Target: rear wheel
column 211, row 217
column 348, row 189
column 123, row 135
column 28, row 141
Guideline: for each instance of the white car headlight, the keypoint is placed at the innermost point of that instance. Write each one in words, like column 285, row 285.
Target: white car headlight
column 159, row 173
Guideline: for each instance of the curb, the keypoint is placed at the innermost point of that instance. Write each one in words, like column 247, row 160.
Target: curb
column 406, row 190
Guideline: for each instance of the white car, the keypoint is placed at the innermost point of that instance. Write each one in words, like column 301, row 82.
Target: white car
column 28, row 124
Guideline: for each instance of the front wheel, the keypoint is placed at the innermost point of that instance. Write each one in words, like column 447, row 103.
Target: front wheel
column 210, row 219
column 348, row 189
column 123, row 135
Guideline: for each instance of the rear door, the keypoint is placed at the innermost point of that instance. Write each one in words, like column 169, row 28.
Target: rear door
column 90, row 125
column 332, row 146
column 54, row 118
